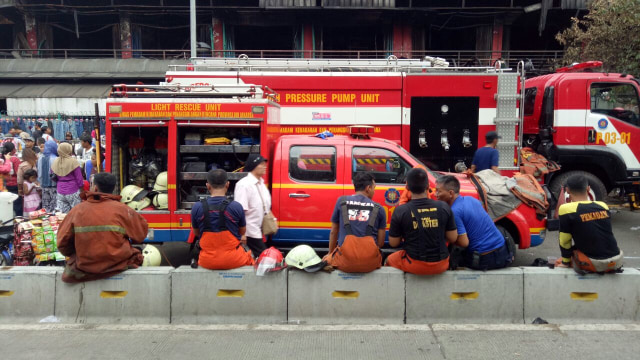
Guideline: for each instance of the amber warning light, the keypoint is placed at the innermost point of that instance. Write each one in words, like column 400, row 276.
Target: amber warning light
column 360, row 130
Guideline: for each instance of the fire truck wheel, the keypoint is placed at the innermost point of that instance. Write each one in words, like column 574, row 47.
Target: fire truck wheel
column 511, row 243
column 598, row 188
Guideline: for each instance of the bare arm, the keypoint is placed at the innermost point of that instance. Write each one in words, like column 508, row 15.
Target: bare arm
column 333, row 236
column 395, row 241
column 462, row 241
column 381, row 235
column 452, row 236
column 473, row 168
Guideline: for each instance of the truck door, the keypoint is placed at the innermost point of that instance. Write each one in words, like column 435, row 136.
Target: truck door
column 308, row 187
column 613, row 120
column 389, row 169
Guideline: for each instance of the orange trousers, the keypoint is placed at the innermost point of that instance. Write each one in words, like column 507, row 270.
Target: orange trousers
column 400, row 260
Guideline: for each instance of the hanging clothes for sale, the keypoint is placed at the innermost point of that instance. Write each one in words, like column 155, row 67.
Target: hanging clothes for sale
column 88, row 125
column 72, row 129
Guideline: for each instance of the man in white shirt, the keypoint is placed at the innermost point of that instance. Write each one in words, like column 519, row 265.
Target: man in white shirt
column 46, row 133
column 253, row 195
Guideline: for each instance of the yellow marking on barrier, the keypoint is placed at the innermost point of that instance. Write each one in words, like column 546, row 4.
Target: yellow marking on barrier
column 464, row 295
column 230, row 293
column 113, row 294
column 584, row 296
column 339, row 294
column 6, row 293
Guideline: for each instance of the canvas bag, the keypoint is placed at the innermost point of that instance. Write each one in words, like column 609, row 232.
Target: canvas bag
column 269, row 222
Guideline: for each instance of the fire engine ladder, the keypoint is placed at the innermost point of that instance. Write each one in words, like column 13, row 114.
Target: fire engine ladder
column 168, row 90
column 508, row 119
column 392, row 63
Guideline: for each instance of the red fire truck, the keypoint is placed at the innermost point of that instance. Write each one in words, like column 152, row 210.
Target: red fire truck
column 590, row 123
column 306, row 174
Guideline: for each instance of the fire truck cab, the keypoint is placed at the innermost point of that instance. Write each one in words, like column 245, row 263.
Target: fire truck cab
column 587, row 121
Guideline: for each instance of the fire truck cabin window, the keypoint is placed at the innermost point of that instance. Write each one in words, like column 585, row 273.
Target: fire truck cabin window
column 312, row 163
column 617, row 100
column 529, row 100
column 387, row 167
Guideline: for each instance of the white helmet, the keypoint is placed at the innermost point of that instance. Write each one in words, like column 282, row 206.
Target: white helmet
column 161, row 201
column 152, row 256
column 132, row 193
column 139, row 205
column 305, row 258
column 161, row 182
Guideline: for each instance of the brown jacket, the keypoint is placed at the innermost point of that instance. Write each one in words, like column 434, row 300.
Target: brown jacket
column 97, row 234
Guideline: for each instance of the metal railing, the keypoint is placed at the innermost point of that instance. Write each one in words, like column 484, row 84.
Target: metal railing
column 542, row 60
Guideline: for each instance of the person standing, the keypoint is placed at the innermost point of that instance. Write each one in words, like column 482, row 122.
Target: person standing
column 487, row 156
column 46, row 134
column 31, row 191
column 29, row 162
column 68, row 176
column 486, row 247
column 49, row 186
column 29, row 143
column 220, row 225
column 423, row 227
column 253, row 195
column 97, row 235
column 11, row 174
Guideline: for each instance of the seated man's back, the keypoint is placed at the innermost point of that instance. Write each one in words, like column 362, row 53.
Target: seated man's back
column 97, row 234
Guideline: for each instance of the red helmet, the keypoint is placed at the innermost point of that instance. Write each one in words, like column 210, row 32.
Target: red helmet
column 271, row 259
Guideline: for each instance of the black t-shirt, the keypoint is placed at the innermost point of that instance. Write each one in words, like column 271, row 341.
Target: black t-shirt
column 426, row 243
column 589, row 224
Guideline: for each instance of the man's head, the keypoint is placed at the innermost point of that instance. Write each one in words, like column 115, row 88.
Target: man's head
column 217, row 180
column 68, row 136
column 85, row 141
column 28, row 140
column 417, row 181
column 256, row 164
column 45, row 130
column 365, row 183
column 492, row 138
column 16, row 130
column 103, row 182
column 40, row 143
column 577, row 186
column 8, row 149
column 447, row 188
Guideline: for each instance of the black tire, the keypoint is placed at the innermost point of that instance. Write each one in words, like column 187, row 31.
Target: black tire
column 596, row 185
column 509, row 240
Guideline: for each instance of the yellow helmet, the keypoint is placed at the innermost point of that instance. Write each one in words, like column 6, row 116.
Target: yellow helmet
column 132, row 193
column 152, row 256
column 139, row 205
column 161, row 182
column 161, row 201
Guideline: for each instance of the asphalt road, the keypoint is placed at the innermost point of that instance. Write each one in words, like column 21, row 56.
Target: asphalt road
column 623, row 221
column 140, row 342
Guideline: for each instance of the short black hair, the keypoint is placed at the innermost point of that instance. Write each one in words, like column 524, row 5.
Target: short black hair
column 7, row 148
column 40, row 141
column 577, row 184
column 29, row 173
column 86, row 138
column 217, row 178
column 44, row 128
column 450, row 183
column 106, row 182
column 417, row 181
column 17, row 127
column 363, row 179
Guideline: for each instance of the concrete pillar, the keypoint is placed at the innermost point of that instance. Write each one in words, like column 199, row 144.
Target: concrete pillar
column 125, row 36
column 496, row 43
column 218, row 40
column 32, row 32
column 309, row 46
column 402, row 42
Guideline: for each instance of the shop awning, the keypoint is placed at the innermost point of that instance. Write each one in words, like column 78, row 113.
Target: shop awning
column 18, row 91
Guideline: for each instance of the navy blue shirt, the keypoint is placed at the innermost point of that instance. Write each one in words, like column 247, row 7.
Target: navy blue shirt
column 472, row 219
column 360, row 221
column 485, row 158
column 234, row 214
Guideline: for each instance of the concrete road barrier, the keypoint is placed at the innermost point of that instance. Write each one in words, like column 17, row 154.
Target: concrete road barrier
column 201, row 296
column 465, row 296
column 27, row 293
column 562, row 296
column 342, row 298
column 137, row 296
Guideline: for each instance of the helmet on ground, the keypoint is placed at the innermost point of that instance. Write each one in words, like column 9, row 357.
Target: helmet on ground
column 152, row 256
column 305, row 258
column 161, row 182
column 140, row 204
column 161, row 201
column 271, row 259
column 132, row 193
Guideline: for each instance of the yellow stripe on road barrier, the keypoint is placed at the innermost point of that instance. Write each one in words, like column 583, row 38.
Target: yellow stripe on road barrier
column 230, row 293
column 339, row 294
column 113, row 294
column 464, row 295
column 6, row 293
column 584, row 296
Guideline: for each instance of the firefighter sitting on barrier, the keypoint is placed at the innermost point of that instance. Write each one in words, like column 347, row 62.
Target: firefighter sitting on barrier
column 357, row 229
column 588, row 224
column 219, row 246
column 486, row 247
column 423, row 227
